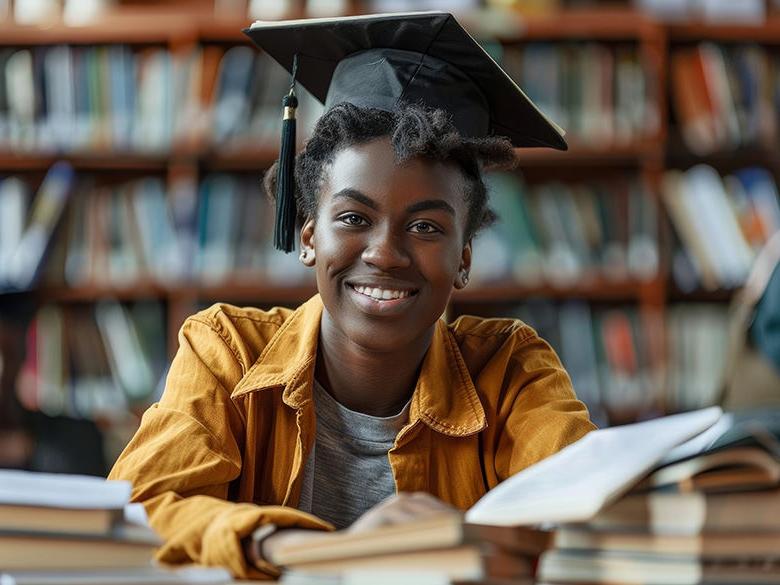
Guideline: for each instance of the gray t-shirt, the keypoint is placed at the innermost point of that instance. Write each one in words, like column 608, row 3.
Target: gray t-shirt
column 348, row 470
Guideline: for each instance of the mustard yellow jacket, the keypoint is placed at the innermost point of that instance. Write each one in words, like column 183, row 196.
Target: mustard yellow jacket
column 224, row 449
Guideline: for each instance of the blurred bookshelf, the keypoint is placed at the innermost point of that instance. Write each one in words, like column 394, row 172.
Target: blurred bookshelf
column 167, row 119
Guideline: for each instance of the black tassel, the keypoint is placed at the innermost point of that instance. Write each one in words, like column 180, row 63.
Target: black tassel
column 286, row 211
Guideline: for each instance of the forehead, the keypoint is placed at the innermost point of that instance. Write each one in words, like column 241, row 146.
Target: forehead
column 372, row 169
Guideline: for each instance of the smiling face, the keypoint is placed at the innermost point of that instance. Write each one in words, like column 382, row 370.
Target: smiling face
column 387, row 245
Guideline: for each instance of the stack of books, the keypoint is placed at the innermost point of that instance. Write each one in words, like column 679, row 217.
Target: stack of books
column 65, row 529
column 568, row 234
column 567, row 519
column 442, row 547
column 701, row 516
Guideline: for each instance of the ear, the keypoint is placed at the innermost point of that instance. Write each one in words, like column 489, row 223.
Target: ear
column 462, row 278
column 308, row 253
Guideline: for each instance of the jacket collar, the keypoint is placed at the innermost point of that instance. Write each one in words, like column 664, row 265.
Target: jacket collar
column 445, row 397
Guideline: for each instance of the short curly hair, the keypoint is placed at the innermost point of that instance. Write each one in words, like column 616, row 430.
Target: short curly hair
column 415, row 131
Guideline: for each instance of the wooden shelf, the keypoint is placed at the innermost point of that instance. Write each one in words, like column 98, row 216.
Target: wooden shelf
column 246, row 292
column 768, row 32
column 224, row 30
column 253, row 159
column 91, row 293
column 88, row 161
column 121, row 28
column 249, row 159
column 678, row 155
column 581, row 154
column 702, row 296
column 594, row 290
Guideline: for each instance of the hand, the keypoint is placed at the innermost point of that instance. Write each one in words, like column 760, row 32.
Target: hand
column 403, row 507
column 282, row 538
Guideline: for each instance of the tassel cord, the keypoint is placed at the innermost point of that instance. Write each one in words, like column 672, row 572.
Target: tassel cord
column 286, row 211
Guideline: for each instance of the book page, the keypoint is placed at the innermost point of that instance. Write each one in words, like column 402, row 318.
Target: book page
column 573, row 484
column 700, row 442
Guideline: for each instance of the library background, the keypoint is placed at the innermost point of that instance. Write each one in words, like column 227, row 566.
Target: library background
column 133, row 137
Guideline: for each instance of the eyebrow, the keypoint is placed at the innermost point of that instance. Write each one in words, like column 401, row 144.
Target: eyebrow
column 431, row 204
column 413, row 208
column 357, row 196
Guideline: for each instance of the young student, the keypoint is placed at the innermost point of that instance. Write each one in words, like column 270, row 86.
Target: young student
column 280, row 424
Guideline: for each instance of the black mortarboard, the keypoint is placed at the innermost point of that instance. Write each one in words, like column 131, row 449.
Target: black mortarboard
column 378, row 61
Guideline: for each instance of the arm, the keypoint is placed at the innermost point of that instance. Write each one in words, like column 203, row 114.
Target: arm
column 188, row 451
column 540, row 413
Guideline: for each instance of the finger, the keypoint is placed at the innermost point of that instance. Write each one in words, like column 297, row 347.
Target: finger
column 432, row 501
column 423, row 503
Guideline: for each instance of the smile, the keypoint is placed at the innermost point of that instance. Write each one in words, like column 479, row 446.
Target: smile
column 382, row 302
column 381, row 294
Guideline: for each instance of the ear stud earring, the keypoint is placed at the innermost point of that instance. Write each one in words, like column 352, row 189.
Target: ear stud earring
column 464, row 278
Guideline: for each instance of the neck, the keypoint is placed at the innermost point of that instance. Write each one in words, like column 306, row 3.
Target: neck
column 378, row 383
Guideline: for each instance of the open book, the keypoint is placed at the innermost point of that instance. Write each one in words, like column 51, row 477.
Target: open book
column 575, row 483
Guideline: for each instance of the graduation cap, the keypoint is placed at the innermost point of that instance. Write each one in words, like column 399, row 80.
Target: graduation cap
column 383, row 60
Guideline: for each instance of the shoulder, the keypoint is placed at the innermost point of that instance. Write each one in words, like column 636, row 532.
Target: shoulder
column 244, row 331
column 491, row 334
column 507, row 356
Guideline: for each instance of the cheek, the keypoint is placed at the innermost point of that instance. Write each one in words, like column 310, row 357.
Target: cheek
column 440, row 264
column 334, row 249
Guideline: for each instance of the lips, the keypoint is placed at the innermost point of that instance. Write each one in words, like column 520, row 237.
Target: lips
column 382, row 293
column 385, row 299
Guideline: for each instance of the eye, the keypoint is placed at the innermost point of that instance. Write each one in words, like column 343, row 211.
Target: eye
column 424, row 227
column 353, row 219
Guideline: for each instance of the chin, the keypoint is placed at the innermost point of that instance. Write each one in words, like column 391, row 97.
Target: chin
column 385, row 336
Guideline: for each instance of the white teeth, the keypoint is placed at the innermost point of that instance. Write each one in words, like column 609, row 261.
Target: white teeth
column 381, row 294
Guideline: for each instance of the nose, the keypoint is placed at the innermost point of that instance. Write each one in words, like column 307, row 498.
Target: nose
column 386, row 251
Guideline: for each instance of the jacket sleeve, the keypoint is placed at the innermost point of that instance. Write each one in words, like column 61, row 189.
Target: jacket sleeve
column 540, row 413
column 186, row 453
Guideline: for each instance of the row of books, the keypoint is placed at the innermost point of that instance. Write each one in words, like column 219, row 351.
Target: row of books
column 150, row 100
column 720, row 223
column 146, row 99
column 683, row 500
column 726, row 97
column 140, row 231
column 26, row 229
column 96, row 362
column 601, row 93
column 564, row 233
column 627, row 364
